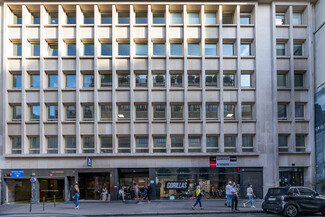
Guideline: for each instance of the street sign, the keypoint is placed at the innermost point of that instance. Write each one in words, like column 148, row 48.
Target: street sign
column 17, row 173
column 89, row 162
column 226, row 161
column 33, row 179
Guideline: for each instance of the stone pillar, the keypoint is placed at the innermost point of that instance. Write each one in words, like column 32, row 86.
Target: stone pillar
column 152, row 182
column 66, row 189
column 35, row 192
column 116, row 183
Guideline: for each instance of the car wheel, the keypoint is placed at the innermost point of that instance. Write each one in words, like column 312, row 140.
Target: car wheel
column 291, row 211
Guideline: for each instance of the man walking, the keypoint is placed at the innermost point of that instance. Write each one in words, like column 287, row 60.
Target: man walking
column 250, row 194
column 234, row 197
column 228, row 194
column 136, row 191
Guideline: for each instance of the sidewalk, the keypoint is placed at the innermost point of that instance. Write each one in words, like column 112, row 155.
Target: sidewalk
column 117, row 208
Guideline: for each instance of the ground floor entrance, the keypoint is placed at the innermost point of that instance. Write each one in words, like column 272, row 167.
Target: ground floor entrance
column 19, row 190
column 91, row 185
column 50, row 189
column 128, row 178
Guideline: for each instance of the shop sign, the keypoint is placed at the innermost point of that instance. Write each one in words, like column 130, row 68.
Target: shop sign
column 17, row 173
column 176, row 185
column 213, row 162
column 226, row 161
column 89, row 162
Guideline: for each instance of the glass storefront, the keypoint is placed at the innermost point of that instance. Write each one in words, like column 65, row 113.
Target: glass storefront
column 291, row 176
column 50, row 187
column 127, row 178
column 91, row 185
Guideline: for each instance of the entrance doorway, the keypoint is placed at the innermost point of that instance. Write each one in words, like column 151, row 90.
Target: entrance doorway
column 130, row 176
column 19, row 190
column 91, row 185
column 51, row 187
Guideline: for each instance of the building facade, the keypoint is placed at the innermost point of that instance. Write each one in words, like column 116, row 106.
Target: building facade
column 155, row 92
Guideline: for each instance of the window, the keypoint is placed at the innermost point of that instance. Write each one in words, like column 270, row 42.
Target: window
column 159, row 80
column 194, row 144
column 194, row 111
column 245, row 49
column 35, row 81
column 16, row 81
column 280, row 19
column 229, row 80
column 71, row 18
column 158, row 18
column 141, row 144
column 106, row 49
column 106, row 112
column 176, row 111
column 17, row 17
column 141, row 18
column 177, row 144
column 34, row 145
column 35, row 49
column 34, row 112
column 211, row 80
column 248, row 143
column 17, row 49
column 176, row 80
column 89, row 49
column 71, row 49
column 123, row 80
column 212, row 144
column 70, row 80
column 281, row 80
column 141, row 49
column 282, row 111
column 176, row 49
column 123, row 49
column 300, row 143
column 88, row 80
column 52, row 112
column 141, row 111
column 124, row 144
column 176, row 18
column 245, row 19
column 53, row 18
column 106, row 80
column 230, row 143
column 159, row 144
column 280, row 49
column 306, row 192
column 16, row 112
column 211, row 111
column 123, row 112
column 210, row 18
column 193, row 18
column 229, row 111
column 52, row 80
column 247, row 111
column 88, row 144
column 106, row 18
column 296, row 18
column 300, row 111
column 70, row 144
column 52, row 145
column 88, row 112
column 159, row 111
column 228, row 49
column 159, row 49
column 70, row 111
column 210, row 49
column 53, row 49
column 106, row 144
column 35, row 18
column 123, row 18
column 141, row 80
column 283, row 143
column 297, row 49
column 299, row 80
column 246, row 80
column 228, row 18
column 193, row 80
column 16, row 145
column 89, row 18
column 194, row 49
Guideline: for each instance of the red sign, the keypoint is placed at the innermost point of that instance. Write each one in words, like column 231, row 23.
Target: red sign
column 213, row 162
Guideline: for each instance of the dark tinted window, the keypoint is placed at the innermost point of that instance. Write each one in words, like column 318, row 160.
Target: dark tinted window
column 306, row 191
column 293, row 191
column 277, row 191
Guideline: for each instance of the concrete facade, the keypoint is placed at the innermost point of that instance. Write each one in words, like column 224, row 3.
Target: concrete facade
column 263, row 94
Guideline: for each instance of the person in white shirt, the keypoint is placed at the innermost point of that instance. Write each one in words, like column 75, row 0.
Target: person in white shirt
column 228, row 194
column 121, row 193
column 136, row 191
column 250, row 194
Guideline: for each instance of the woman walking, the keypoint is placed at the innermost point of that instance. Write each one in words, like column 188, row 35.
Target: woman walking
column 250, row 194
column 234, row 197
column 76, row 195
column 198, row 196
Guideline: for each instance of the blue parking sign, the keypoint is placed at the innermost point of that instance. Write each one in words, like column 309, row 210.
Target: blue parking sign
column 17, row 173
column 89, row 162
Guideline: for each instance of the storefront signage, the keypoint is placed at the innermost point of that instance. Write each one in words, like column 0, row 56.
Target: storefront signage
column 176, row 185
column 213, row 162
column 89, row 162
column 226, row 161
column 17, row 173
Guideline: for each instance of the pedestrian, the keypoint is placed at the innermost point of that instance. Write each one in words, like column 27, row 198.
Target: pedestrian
column 104, row 193
column 234, row 197
column 250, row 194
column 198, row 196
column 121, row 193
column 136, row 191
column 228, row 194
column 76, row 195
column 147, row 193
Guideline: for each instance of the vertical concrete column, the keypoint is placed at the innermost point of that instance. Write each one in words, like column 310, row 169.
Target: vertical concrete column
column 35, row 192
column 96, row 78
column 24, row 107
column 116, row 183
column 66, row 189
column 238, row 78
column 185, row 82
column 61, row 20
column 152, row 177
column 132, row 53
column 43, row 113
column 203, row 112
column 114, row 77
column 149, row 79
column 168, row 140
column 221, row 145
column 78, row 79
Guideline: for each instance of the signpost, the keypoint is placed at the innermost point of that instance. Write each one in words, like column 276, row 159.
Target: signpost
column 17, row 173
column 89, row 162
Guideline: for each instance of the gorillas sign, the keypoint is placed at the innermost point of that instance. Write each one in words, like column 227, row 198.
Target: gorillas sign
column 176, row 185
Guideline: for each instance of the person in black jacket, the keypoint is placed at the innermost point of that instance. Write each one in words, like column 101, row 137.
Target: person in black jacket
column 148, row 192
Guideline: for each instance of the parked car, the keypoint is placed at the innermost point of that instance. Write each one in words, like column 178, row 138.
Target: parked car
column 292, row 201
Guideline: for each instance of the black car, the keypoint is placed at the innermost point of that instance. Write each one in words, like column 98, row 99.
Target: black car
column 292, row 201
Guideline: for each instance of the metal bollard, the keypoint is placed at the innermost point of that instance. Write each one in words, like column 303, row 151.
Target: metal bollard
column 30, row 205
column 54, row 200
column 43, row 203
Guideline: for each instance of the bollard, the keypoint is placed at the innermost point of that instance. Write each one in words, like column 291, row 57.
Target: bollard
column 43, row 203
column 54, row 200
column 30, row 205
